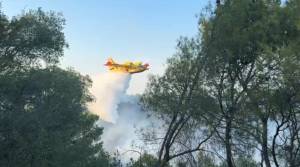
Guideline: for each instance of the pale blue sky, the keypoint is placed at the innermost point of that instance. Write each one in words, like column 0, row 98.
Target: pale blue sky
column 144, row 30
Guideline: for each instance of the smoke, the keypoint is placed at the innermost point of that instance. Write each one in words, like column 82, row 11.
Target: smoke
column 121, row 136
column 108, row 89
column 119, row 113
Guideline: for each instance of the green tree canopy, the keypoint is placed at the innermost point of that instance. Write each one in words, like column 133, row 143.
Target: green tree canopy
column 240, row 78
column 145, row 160
column 30, row 38
column 43, row 115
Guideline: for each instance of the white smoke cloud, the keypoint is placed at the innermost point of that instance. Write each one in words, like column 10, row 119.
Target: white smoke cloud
column 120, row 113
column 108, row 89
column 121, row 135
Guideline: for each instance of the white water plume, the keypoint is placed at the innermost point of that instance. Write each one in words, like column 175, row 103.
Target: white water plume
column 109, row 89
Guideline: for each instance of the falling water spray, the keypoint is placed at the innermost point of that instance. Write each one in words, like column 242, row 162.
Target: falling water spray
column 108, row 89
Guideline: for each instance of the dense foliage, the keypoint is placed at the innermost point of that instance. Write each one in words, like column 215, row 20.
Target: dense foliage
column 229, row 97
column 43, row 115
column 233, row 90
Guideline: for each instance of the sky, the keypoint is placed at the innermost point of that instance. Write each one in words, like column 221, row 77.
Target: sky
column 137, row 30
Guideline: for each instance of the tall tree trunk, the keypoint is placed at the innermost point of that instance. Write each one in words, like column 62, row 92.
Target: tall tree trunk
column 274, row 147
column 292, row 156
column 265, row 142
column 227, row 142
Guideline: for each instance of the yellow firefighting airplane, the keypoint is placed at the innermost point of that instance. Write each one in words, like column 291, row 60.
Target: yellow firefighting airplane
column 127, row 67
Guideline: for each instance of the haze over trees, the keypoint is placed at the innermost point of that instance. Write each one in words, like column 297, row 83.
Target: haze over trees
column 229, row 97
column 232, row 91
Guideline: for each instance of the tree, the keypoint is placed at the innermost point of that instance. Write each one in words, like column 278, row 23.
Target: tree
column 242, row 162
column 30, row 38
column 205, row 160
column 244, row 43
column 178, row 99
column 285, row 141
column 145, row 160
column 43, row 115
column 274, row 98
column 234, row 79
column 232, row 42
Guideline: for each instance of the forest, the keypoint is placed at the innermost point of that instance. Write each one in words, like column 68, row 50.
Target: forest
column 229, row 96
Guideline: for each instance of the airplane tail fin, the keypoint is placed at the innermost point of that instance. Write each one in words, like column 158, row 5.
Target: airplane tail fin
column 110, row 61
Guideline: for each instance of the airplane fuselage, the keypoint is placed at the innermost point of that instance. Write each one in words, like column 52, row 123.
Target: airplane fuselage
column 126, row 68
